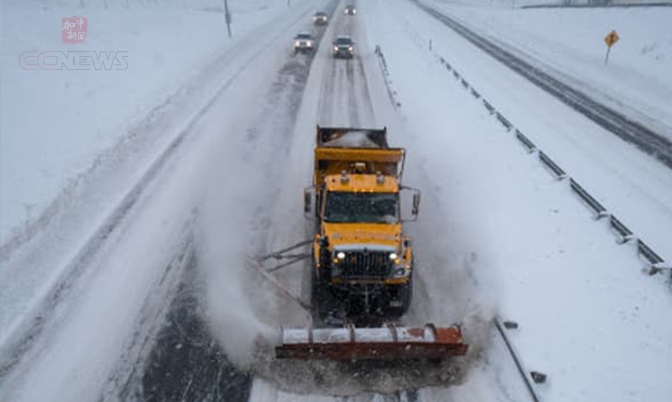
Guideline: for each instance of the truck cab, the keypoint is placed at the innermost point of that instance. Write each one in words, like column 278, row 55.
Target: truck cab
column 360, row 249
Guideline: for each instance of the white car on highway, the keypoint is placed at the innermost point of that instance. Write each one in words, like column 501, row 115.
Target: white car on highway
column 304, row 42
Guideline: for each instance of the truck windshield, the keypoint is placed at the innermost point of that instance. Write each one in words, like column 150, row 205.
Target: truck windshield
column 343, row 207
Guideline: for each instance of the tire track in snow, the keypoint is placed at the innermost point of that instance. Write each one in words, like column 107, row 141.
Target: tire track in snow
column 22, row 336
column 437, row 292
column 150, row 322
column 353, row 104
column 347, row 90
column 186, row 362
column 326, row 103
column 365, row 95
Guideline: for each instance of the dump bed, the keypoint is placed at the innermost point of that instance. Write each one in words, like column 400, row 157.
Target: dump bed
column 347, row 137
column 356, row 151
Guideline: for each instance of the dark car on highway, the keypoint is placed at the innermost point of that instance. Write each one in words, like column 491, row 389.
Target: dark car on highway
column 344, row 47
column 350, row 10
column 320, row 18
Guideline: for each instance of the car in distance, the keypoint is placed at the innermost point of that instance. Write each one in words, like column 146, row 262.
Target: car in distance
column 320, row 18
column 344, row 47
column 350, row 10
column 304, row 42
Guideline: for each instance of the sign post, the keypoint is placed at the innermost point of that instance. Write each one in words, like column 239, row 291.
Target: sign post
column 611, row 39
column 227, row 17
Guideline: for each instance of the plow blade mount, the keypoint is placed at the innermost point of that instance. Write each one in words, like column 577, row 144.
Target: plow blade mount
column 385, row 343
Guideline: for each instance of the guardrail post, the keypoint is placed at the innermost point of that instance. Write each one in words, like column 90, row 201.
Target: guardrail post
column 618, row 226
column 554, row 167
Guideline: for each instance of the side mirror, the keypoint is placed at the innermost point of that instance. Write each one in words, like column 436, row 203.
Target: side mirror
column 415, row 207
column 416, row 204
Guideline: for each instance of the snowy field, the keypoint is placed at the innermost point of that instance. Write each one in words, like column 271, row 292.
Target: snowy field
column 173, row 172
column 81, row 118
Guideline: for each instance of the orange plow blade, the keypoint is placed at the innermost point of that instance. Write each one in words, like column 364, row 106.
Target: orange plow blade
column 385, row 343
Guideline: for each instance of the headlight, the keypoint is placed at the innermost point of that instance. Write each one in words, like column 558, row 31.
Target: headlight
column 335, row 48
column 350, row 48
column 340, row 255
column 393, row 256
column 297, row 43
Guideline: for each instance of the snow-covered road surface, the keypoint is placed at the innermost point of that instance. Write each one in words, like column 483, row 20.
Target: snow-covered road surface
column 549, row 260
column 46, row 309
column 626, row 181
column 166, row 306
column 612, row 120
column 634, row 81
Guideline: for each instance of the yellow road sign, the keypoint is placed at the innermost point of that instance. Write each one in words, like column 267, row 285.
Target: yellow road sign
column 611, row 38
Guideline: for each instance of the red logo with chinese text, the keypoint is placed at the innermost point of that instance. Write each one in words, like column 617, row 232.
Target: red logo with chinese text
column 73, row 30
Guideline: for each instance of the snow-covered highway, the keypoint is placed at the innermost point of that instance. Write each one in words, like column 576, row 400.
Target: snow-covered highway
column 150, row 294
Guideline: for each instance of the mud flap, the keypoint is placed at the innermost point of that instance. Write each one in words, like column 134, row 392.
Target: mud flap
column 388, row 342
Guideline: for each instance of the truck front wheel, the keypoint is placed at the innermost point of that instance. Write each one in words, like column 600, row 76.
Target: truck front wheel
column 400, row 299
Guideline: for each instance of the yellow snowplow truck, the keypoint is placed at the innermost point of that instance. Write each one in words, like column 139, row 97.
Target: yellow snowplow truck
column 360, row 253
column 361, row 259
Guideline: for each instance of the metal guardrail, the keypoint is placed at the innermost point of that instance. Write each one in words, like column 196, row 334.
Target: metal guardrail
column 516, row 360
column 648, row 253
column 555, row 168
column 599, row 209
column 386, row 75
column 445, row 63
column 379, row 53
column 527, row 143
column 622, row 230
column 656, row 263
column 506, row 123
column 488, row 106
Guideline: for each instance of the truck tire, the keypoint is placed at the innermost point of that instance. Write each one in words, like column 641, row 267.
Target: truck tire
column 400, row 293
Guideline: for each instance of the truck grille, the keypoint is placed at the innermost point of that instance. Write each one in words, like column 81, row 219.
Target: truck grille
column 365, row 264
